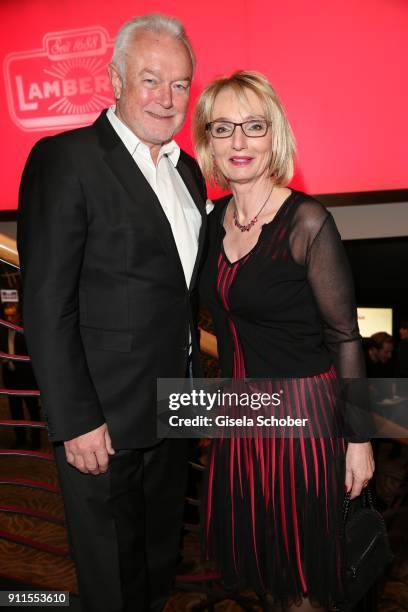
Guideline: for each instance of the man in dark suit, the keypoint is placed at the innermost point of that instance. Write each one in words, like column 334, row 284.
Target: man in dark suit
column 110, row 235
column 379, row 355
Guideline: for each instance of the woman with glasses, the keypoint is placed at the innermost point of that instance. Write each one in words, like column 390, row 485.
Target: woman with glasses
column 279, row 289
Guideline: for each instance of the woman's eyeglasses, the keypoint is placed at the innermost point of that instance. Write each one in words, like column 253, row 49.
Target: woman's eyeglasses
column 255, row 128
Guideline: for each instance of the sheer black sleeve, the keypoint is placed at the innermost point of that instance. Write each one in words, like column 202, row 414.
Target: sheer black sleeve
column 316, row 243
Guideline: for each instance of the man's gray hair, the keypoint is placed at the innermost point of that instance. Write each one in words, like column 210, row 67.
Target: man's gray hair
column 152, row 22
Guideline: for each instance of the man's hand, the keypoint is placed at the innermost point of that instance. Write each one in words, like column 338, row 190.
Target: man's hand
column 90, row 452
column 359, row 467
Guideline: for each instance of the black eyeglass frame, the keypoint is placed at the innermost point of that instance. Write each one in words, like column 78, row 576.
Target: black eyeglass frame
column 209, row 125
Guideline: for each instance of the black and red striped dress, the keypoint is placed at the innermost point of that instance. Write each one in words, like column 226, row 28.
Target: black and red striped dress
column 285, row 310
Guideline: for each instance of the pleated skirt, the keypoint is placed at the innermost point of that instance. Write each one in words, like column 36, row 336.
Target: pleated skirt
column 272, row 509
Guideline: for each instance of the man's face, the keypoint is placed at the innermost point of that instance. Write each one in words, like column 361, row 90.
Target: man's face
column 384, row 354
column 154, row 96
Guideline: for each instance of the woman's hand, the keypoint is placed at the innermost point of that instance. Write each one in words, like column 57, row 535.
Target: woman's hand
column 359, row 467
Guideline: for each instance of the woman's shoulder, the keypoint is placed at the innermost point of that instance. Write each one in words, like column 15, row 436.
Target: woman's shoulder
column 309, row 212
column 308, row 204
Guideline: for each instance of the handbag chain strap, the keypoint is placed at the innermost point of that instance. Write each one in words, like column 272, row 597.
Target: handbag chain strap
column 366, row 501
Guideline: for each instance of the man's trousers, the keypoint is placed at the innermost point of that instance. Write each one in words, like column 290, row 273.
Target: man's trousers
column 124, row 526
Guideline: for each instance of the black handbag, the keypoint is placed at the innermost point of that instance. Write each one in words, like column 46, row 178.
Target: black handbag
column 366, row 545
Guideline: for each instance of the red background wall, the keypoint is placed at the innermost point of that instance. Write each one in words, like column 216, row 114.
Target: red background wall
column 339, row 68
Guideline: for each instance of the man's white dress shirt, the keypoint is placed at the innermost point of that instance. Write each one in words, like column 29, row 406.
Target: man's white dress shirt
column 167, row 184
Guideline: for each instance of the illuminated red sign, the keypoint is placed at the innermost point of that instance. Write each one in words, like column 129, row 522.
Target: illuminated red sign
column 64, row 84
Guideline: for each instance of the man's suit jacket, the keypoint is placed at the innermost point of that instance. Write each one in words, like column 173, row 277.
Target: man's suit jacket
column 106, row 306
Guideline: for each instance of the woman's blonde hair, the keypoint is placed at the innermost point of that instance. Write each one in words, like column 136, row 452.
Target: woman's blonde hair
column 283, row 142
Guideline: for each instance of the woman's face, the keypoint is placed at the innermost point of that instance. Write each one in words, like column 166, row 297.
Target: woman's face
column 240, row 158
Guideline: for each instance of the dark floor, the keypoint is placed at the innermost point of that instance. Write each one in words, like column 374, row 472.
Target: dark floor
column 42, row 569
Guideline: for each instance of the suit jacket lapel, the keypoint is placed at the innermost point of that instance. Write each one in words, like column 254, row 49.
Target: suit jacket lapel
column 139, row 190
column 191, row 181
